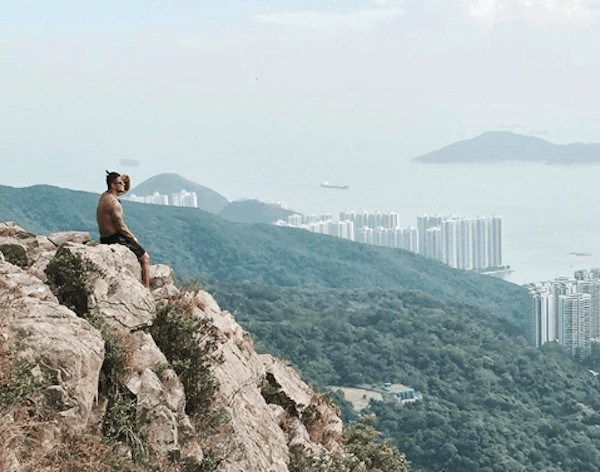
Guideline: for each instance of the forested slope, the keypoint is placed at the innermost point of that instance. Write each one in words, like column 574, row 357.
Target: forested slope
column 491, row 402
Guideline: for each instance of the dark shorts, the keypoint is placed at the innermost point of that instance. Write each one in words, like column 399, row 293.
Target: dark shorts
column 119, row 238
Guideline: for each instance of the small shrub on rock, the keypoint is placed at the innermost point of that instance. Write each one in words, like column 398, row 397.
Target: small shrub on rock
column 189, row 343
column 15, row 254
column 23, row 385
column 66, row 274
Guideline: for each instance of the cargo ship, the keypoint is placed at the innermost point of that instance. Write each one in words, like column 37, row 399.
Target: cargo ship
column 339, row 187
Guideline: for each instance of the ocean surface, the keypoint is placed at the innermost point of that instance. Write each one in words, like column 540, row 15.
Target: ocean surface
column 551, row 214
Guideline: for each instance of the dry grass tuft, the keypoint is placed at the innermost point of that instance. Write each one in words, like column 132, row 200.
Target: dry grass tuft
column 29, row 444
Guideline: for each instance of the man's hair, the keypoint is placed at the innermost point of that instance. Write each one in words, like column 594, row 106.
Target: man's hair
column 111, row 177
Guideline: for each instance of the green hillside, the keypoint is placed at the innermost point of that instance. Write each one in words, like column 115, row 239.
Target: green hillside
column 254, row 211
column 491, row 402
column 193, row 241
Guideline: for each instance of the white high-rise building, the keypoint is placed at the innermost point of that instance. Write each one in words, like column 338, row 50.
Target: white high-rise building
column 574, row 323
column 184, row 199
column 365, row 235
column 566, row 310
column 382, row 236
column 495, row 244
column 157, row 199
column 449, row 244
column 480, row 243
column 410, row 239
column 135, row 198
column 295, row 220
column 592, row 287
column 433, row 242
column 543, row 316
column 464, row 250
column 424, row 222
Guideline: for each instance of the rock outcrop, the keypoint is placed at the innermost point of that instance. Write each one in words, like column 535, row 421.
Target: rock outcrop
column 264, row 408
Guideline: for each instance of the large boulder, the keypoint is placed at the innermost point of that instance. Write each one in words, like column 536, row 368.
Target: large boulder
column 115, row 291
column 68, row 351
column 27, row 250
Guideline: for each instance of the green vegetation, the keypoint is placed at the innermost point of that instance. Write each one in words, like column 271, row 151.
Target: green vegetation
column 364, row 442
column 122, row 425
column 15, row 254
column 254, row 211
column 189, row 344
column 368, row 453
column 491, row 402
column 66, row 274
column 23, row 385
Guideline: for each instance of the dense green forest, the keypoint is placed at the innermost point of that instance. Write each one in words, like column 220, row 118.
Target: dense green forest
column 193, row 241
column 490, row 401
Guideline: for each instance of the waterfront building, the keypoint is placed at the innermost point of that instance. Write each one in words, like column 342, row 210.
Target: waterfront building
column 295, row 220
column 480, row 243
column 464, row 247
column 449, row 242
column 495, row 244
column 464, row 243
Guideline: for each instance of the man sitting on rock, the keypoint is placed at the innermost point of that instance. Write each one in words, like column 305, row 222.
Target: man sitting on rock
column 111, row 224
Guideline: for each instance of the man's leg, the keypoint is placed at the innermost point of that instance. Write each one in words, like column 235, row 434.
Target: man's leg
column 145, row 263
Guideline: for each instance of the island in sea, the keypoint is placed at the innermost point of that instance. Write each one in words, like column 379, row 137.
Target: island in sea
column 507, row 146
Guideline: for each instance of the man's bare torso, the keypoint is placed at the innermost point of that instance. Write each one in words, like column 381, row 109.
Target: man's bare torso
column 108, row 212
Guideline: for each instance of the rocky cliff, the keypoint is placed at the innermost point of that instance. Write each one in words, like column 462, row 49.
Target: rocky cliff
column 90, row 379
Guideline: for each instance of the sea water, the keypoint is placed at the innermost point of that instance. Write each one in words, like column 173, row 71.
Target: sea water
column 550, row 214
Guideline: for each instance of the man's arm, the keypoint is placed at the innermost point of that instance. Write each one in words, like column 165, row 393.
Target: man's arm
column 127, row 181
column 118, row 221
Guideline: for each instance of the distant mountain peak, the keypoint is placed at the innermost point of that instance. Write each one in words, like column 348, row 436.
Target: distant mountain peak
column 169, row 183
column 508, row 146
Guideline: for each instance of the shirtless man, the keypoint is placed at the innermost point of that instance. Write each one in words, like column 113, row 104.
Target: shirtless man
column 111, row 225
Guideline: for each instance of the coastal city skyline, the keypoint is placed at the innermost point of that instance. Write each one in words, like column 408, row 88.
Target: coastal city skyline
column 461, row 243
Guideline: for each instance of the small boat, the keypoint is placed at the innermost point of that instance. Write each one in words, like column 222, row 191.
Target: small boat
column 339, row 187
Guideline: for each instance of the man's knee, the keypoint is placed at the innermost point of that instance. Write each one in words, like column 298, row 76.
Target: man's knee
column 145, row 258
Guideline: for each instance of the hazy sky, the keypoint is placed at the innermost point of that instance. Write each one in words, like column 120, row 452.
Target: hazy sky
column 235, row 93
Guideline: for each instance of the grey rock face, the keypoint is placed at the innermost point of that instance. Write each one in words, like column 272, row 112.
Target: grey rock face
column 259, row 429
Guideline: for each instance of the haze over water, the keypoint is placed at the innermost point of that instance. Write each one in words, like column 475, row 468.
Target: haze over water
column 549, row 212
column 268, row 99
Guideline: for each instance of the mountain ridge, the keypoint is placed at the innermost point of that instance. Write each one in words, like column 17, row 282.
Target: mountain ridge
column 168, row 183
column 495, row 146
